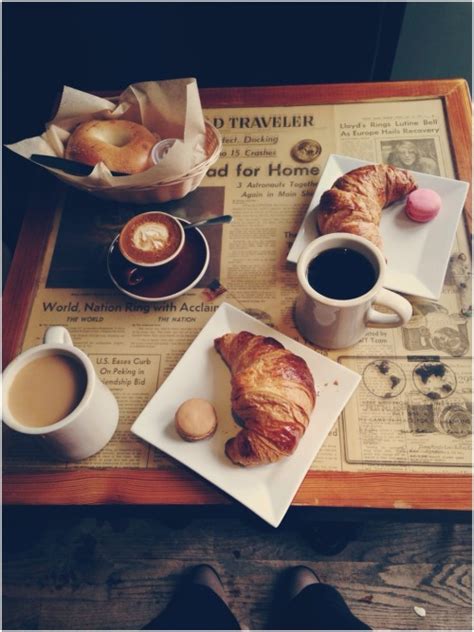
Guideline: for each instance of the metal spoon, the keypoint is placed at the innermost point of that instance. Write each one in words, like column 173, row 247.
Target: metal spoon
column 221, row 219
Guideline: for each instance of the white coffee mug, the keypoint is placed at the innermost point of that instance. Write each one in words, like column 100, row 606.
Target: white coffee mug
column 90, row 426
column 337, row 323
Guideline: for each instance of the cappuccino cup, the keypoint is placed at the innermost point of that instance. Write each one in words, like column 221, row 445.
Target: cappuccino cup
column 151, row 239
column 52, row 392
column 340, row 278
column 148, row 241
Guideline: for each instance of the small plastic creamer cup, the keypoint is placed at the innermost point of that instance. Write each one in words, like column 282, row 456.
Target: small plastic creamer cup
column 159, row 151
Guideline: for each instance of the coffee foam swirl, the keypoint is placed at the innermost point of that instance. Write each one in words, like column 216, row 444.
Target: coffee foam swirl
column 151, row 236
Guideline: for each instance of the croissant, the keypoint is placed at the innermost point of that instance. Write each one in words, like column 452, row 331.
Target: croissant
column 273, row 396
column 354, row 203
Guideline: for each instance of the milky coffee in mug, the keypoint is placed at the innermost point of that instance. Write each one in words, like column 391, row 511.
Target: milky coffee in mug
column 47, row 389
column 52, row 393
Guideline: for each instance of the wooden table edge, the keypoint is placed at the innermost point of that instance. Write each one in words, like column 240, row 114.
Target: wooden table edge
column 382, row 490
column 333, row 489
column 299, row 94
column 25, row 268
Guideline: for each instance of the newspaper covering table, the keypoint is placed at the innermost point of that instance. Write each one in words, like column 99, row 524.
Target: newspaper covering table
column 400, row 419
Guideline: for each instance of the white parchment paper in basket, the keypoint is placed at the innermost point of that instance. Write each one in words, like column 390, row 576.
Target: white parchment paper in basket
column 171, row 109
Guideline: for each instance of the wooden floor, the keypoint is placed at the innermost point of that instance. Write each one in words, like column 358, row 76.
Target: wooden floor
column 115, row 568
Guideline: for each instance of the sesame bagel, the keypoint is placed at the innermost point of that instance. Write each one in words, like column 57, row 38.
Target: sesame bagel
column 123, row 146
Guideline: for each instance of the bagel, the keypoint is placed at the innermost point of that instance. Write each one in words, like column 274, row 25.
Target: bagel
column 122, row 145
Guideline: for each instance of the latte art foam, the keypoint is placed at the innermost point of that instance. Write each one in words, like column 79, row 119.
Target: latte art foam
column 151, row 236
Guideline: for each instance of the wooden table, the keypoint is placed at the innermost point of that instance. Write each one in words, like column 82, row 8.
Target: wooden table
column 326, row 489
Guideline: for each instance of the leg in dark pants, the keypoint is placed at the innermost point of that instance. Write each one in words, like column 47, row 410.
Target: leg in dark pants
column 307, row 604
column 319, row 607
column 196, row 606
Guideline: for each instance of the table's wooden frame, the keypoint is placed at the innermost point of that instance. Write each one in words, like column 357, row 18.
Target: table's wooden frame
column 135, row 486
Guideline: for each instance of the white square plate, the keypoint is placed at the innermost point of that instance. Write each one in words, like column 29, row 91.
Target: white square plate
column 266, row 490
column 417, row 254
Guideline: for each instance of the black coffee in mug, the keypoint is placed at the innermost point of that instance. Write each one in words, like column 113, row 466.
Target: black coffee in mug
column 341, row 273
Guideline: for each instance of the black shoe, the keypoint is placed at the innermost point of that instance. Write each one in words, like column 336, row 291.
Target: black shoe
column 289, row 584
column 296, row 579
column 193, row 608
column 205, row 575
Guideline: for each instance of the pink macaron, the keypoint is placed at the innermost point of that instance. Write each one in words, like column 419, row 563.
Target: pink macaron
column 423, row 205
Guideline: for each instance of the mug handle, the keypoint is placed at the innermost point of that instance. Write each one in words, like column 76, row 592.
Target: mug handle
column 57, row 336
column 133, row 276
column 396, row 303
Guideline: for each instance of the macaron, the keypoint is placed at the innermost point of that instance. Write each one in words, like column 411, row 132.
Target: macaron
column 195, row 419
column 423, row 205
